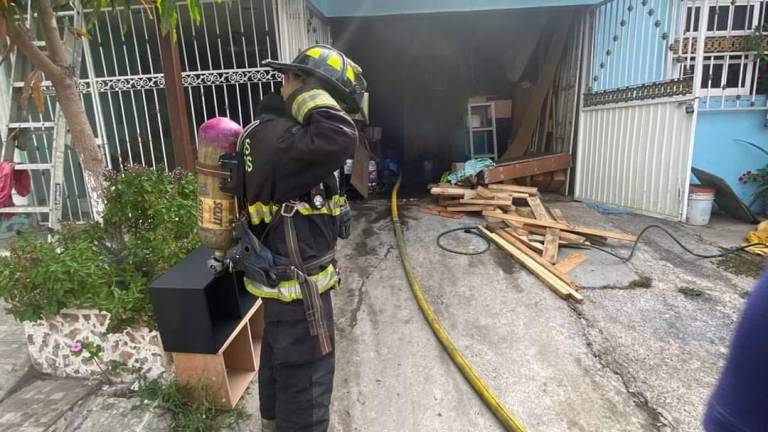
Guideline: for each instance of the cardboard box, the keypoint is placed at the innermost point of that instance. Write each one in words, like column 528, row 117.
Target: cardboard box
column 503, row 107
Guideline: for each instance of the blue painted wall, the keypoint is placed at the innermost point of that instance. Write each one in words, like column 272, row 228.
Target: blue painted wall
column 348, row 8
column 638, row 50
column 716, row 151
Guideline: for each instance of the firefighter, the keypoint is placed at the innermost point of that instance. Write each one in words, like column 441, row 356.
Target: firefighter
column 297, row 212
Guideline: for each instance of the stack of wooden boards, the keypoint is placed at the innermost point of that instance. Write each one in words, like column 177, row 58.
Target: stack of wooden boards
column 520, row 224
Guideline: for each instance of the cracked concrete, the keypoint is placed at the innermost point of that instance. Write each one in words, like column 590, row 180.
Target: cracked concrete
column 632, row 357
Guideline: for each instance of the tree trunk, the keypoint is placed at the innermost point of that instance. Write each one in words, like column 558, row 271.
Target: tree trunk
column 57, row 68
column 83, row 140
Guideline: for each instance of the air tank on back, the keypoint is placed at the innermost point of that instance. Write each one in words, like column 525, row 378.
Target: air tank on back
column 215, row 209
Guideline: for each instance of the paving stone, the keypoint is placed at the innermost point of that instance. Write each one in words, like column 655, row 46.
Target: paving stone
column 41, row 404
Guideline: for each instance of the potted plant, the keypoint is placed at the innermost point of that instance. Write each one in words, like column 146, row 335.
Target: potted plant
column 759, row 176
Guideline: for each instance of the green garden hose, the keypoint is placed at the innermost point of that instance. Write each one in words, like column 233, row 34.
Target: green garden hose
column 472, row 230
column 490, row 400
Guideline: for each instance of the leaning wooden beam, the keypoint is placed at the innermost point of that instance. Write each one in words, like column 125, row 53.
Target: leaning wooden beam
column 551, row 245
column 538, row 208
column 541, row 261
column 572, row 228
column 551, row 235
column 570, row 262
column 521, row 140
column 556, row 285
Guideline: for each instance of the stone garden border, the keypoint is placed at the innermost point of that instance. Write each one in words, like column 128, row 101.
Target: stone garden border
column 50, row 341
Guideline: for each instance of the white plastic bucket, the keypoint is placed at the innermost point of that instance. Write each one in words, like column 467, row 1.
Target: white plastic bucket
column 699, row 205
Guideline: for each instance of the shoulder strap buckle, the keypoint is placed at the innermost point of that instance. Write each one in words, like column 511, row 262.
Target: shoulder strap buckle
column 288, row 209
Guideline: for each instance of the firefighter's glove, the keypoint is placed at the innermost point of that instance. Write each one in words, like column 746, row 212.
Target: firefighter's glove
column 307, row 98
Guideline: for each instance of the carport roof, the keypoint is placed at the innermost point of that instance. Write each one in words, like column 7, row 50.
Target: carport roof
column 352, row 8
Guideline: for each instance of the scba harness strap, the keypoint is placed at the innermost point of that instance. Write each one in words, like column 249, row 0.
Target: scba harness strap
column 313, row 309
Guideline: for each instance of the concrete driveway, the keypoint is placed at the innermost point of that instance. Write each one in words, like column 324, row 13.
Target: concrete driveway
column 630, row 358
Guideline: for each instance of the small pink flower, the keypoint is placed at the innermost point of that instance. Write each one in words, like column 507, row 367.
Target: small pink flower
column 75, row 347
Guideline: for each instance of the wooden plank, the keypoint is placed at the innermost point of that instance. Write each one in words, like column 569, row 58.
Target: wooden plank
column 484, row 193
column 565, row 237
column 538, row 208
column 570, row 262
column 572, row 228
column 558, row 180
column 495, row 203
column 451, row 191
column 361, row 159
column 525, row 239
column 445, row 201
column 525, row 212
column 528, row 190
column 529, row 260
column 539, row 260
column 542, row 181
column 540, row 239
column 556, row 285
column 517, row 228
column 597, row 240
column 528, row 167
column 557, row 214
column 473, row 208
column 551, row 245
column 544, row 82
column 551, row 235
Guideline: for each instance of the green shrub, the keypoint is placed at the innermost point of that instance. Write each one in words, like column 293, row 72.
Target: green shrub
column 149, row 225
column 190, row 407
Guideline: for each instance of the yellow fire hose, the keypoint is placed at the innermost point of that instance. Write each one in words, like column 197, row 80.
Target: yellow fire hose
column 490, row 400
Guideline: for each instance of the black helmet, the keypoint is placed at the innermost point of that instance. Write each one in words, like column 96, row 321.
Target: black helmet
column 343, row 78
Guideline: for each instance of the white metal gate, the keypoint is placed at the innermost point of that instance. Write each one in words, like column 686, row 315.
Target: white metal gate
column 635, row 156
column 638, row 117
column 222, row 75
column 123, row 88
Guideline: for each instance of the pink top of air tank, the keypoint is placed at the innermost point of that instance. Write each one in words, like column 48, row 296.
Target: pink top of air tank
column 220, row 132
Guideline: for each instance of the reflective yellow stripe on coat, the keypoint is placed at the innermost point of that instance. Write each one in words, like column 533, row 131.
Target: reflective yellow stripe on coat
column 290, row 290
column 261, row 212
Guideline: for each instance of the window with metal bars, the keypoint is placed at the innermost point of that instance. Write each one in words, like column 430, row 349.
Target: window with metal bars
column 734, row 73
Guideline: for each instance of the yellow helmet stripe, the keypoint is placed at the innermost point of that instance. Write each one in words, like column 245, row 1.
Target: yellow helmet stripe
column 334, row 60
column 314, row 52
column 351, row 74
